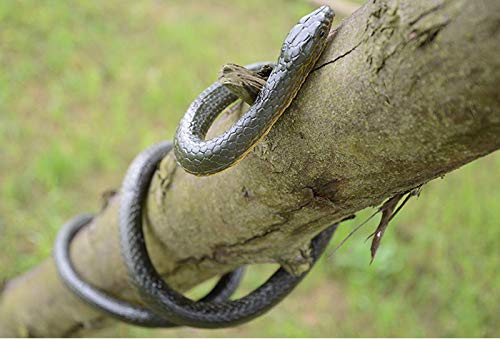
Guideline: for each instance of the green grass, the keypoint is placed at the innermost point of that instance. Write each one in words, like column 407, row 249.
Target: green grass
column 86, row 85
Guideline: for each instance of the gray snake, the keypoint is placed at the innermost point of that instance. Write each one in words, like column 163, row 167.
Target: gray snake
column 165, row 306
column 302, row 48
column 121, row 310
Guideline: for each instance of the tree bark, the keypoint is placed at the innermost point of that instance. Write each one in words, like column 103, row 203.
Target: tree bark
column 405, row 92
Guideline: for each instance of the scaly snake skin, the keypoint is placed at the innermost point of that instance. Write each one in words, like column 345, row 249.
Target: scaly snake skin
column 168, row 308
column 301, row 49
column 157, row 294
column 121, row 310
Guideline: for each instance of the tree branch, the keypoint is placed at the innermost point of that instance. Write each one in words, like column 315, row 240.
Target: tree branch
column 405, row 92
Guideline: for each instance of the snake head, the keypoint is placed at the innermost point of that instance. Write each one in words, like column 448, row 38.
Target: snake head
column 319, row 21
column 307, row 38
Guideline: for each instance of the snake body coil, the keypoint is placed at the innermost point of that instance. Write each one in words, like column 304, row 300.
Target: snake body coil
column 154, row 290
column 166, row 307
column 121, row 310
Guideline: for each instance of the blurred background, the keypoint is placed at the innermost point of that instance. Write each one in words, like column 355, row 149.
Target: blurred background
column 86, row 85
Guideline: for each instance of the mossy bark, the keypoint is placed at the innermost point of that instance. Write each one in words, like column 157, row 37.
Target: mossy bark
column 405, row 92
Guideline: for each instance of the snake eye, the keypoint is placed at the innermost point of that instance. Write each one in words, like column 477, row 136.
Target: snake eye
column 323, row 30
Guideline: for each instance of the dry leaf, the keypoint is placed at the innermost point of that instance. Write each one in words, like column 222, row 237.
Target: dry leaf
column 389, row 211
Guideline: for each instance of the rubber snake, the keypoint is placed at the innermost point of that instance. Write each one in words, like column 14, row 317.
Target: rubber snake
column 300, row 51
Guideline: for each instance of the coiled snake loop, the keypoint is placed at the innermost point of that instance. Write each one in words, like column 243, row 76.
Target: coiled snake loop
column 165, row 306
